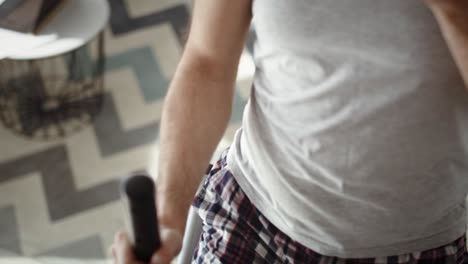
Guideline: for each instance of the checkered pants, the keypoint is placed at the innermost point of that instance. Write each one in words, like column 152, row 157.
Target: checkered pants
column 234, row 231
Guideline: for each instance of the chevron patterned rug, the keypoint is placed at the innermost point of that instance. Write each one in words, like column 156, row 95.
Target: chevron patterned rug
column 59, row 199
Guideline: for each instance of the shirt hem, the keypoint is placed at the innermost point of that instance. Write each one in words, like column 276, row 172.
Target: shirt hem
column 447, row 236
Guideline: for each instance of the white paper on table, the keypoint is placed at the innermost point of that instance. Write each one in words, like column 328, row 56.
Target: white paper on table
column 12, row 42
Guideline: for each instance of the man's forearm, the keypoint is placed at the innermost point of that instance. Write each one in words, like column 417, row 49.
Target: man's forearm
column 453, row 21
column 196, row 113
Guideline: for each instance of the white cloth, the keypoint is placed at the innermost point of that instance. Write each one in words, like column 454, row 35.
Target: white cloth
column 12, row 42
column 355, row 137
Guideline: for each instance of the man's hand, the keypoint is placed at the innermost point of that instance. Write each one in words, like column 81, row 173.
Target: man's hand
column 447, row 4
column 452, row 16
column 122, row 252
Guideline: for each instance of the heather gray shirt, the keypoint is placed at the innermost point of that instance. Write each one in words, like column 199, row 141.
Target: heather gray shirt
column 355, row 137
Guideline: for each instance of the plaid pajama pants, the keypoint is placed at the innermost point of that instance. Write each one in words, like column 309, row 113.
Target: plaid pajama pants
column 234, row 231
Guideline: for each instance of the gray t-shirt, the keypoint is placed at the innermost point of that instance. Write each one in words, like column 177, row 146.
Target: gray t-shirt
column 355, row 137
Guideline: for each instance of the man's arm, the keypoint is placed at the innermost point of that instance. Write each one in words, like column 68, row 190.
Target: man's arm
column 195, row 115
column 198, row 104
column 452, row 16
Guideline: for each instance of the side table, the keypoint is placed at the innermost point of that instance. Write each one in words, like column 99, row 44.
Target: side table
column 57, row 88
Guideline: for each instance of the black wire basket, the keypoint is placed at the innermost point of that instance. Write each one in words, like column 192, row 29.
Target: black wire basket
column 53, row 97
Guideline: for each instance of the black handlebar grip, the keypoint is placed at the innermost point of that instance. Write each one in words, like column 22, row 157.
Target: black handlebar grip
column 140, row 193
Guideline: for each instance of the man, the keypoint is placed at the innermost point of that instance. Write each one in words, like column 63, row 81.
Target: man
column 354, row 144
